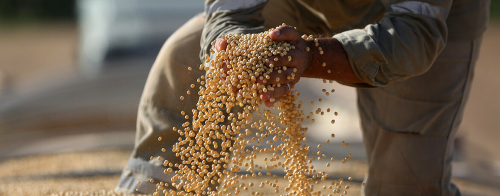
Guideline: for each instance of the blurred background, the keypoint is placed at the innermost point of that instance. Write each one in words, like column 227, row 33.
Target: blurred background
column 72, row 73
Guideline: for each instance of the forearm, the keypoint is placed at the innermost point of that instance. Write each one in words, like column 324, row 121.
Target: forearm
column 333, row 64
column 403, row 44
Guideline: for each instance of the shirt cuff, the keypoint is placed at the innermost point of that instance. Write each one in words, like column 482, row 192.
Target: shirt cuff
column 364, row 55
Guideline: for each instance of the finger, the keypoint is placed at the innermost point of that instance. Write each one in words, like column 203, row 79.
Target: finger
column 285, row 33
column 220, row 44
column 291, row 59
column 267, row 100
column 279, row 77
column 224, row 65
column 268, row 104
column 270, row 97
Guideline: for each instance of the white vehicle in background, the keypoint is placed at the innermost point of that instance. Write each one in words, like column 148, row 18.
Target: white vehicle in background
column 112, row 31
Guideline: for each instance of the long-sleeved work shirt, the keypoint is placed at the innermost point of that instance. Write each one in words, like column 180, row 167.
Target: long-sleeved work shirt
column 385, row 40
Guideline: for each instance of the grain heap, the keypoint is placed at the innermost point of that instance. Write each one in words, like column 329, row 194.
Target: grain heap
column 213, row 144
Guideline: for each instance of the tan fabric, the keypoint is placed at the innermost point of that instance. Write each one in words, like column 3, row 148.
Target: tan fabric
column 467, row 18
column 160, row 106
column 346, row 15
column 169, row 78
column 409, row 126
column 411, row 122
column 400, row 38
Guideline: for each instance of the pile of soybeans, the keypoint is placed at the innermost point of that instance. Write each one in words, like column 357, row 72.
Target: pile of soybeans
column 219, row 142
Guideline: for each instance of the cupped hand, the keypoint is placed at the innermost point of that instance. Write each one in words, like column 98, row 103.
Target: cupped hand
column 296, row 61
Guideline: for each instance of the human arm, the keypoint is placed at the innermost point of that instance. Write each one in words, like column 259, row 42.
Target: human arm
column 403, row 44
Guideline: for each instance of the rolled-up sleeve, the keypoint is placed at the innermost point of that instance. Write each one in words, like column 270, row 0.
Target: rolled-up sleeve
column 230, row 16
column 404, row 43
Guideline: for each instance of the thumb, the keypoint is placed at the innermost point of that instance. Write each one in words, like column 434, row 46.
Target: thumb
column 285, row 33
column 220, row 44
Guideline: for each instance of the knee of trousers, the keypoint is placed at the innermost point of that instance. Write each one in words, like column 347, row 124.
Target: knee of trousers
column 169, row 78
column 161, row 103
column 160, row 106
column 183, row 46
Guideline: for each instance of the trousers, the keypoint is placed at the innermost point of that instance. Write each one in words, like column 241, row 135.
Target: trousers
column 408, row 127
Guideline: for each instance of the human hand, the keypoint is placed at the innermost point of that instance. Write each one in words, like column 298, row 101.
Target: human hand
column 293, row 64
column 296, row 61
column 306, row 59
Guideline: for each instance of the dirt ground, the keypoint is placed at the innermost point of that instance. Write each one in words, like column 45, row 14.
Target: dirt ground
column 98, row 172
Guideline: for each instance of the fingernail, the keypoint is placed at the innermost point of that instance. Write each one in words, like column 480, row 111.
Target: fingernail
column 278, row 32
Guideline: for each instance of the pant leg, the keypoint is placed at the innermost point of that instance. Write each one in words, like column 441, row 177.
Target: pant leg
column 160, row 108
column 409, row 126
